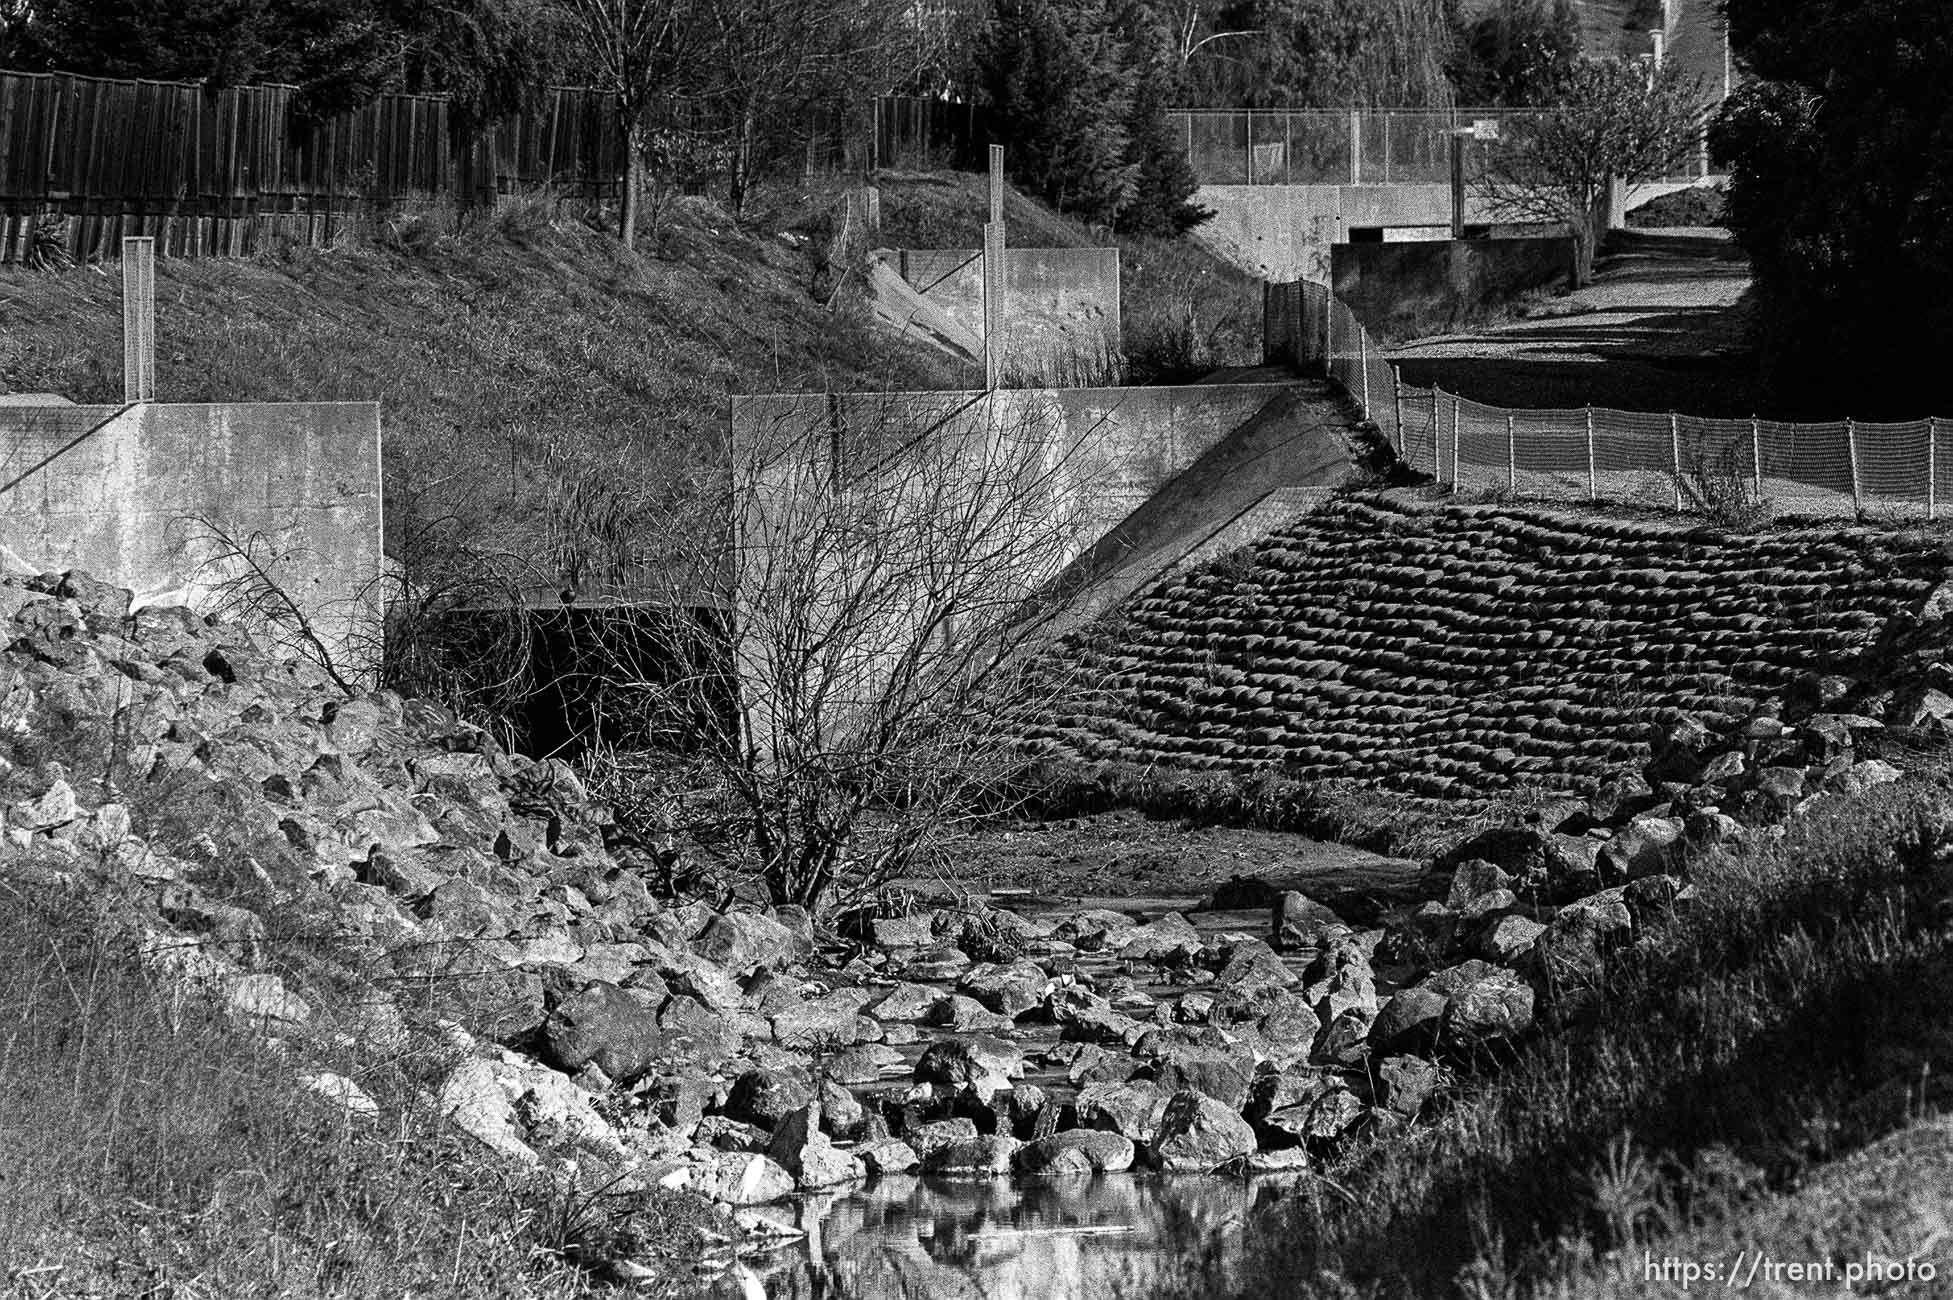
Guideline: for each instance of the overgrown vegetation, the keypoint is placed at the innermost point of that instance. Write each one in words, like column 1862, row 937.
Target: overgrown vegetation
column 155, row 1145
column 1840, row 152
column 868, row 627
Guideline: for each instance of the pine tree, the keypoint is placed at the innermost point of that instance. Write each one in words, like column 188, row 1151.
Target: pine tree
column 1061, row 99
column 1163, row 176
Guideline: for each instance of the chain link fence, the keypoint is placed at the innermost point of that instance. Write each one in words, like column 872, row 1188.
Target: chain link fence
column 1679, row 462
column 1399, row 146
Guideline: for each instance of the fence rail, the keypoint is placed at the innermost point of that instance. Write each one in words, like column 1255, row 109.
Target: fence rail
column 1348, row 146
column 1679, row 462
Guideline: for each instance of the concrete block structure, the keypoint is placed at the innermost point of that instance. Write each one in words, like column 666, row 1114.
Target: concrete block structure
column 167, row 499
column 1063, row 314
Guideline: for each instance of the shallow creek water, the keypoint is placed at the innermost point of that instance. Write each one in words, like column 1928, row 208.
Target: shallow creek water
column 909, row 1238
column 1100, row 1238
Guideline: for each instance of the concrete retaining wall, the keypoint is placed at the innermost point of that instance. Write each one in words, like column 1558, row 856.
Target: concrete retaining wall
column 1285, row 232
column 1118, row 446
column 1410, row 290
column 1063, row 303
column 136, row 497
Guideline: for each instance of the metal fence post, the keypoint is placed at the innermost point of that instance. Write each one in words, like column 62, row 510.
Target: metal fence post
column 1454, row 441
column 1437, row 458
column 1932, row 466
column 1511, row 454
column 1675, row 446
column 1593, row 481
column 1355, row 148
column 1756, row 454
column 1397, row 397
column 1248, row 142
column 1851, row 446
column 1363, row 363
column 1328, row 335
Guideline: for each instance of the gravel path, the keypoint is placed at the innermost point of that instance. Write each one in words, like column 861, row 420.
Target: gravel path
column 1659, row 329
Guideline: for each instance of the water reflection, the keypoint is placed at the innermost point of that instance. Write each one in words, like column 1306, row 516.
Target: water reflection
column 910, row 1238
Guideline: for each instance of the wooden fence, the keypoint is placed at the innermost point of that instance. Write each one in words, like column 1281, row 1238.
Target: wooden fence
column 85, row 161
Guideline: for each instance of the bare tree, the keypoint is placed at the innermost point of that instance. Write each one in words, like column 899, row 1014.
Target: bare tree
column 1603, row 121
column 641, row 52
column 872, row 629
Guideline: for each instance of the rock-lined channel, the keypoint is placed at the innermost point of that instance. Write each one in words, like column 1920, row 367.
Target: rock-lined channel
column 484, row 904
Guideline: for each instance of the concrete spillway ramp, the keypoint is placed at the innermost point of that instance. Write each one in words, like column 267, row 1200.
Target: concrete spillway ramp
column 901, row 305
column 1295, row 442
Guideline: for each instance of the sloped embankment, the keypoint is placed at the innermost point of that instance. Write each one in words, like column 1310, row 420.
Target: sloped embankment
column 1463, row 650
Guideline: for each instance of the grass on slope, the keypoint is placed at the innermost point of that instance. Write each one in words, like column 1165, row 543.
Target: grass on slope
column 153, row 1148
column 1185, row 311
column 540, row 386
column 1786, row 1015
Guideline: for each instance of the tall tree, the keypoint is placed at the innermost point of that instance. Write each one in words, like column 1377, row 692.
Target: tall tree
column 1055, row 80
column 1514, row 53
column 644, row 53
column 1163, row 176
column 1602, row 121
column 1326, row 54
column 1840, row 151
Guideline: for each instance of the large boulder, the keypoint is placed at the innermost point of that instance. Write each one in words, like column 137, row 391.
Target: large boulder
column 1218, row 1072
column 1409, row 1023
column 608, row 1027
column 1487, row 1003
column 765, row 1097
column 1132, row 1110
column 1102, row 1151
column 1646, row 846
column 1339, row 982
column 1251, row 967
column 799, row 1147
column 1009, row 989
column 744, row 942
column 1300, row 922
column 984, row 1156
column 738, row 1178
column 1166, row 938
column 979, row 1062
column 1197, row 1133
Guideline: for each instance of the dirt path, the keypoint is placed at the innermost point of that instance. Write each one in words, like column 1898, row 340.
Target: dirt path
column 1659, row 329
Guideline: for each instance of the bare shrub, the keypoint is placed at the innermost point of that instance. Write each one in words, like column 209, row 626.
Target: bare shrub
column 852, row 673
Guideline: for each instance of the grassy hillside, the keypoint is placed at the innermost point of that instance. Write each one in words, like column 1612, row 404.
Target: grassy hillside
column 537, row 382
column 544, row 392
column 1186, row 312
